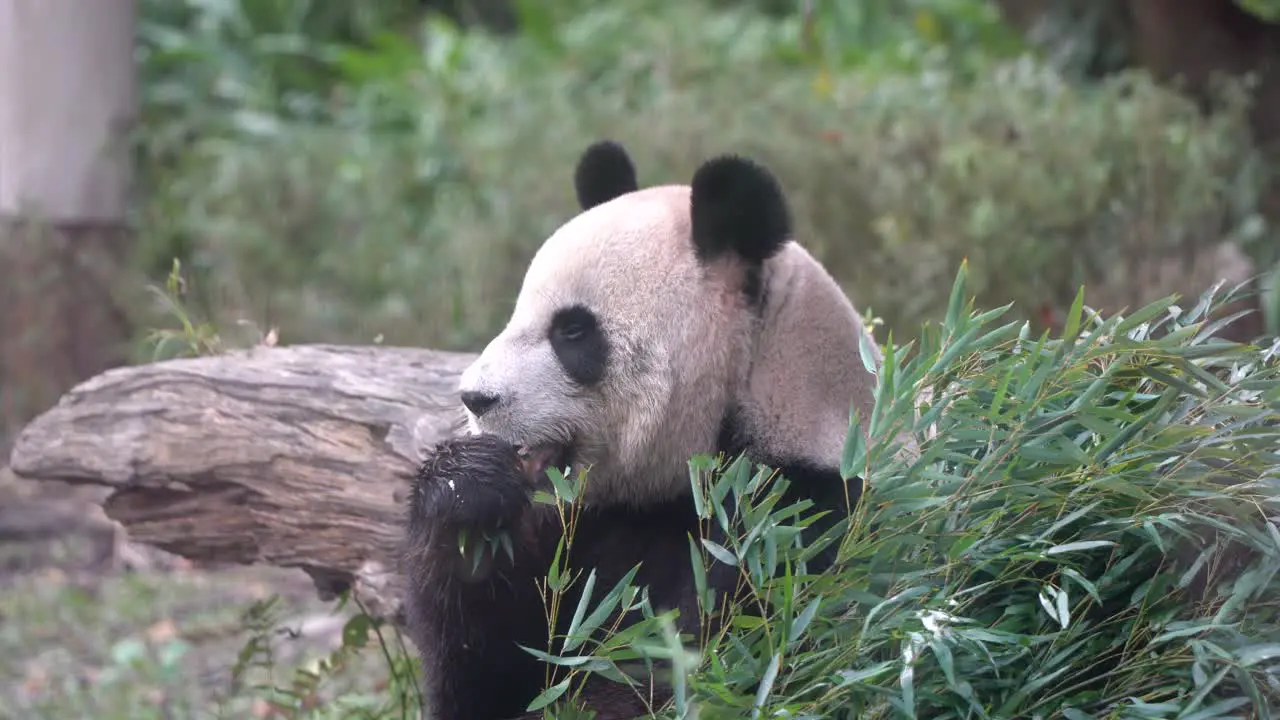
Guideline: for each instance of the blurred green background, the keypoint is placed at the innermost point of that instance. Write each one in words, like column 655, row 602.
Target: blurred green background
column 362, row 171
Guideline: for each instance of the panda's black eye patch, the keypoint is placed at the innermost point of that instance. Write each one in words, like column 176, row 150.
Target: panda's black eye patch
column 573, row 331
column 579, row 344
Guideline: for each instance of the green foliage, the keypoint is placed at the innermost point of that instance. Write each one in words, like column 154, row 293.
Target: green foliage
column 304, row 696
column 1082, row 38
column 192, row 338
column 410, row 213
column 1085, row 531
column 1268, row 10
column 155, row 645
column 250, row 63
column 908, row 36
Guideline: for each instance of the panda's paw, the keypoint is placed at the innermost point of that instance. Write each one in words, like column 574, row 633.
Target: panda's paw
column 474, row 482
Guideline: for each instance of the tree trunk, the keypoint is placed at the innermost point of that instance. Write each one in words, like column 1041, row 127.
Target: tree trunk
column 1187, row 44
column 67, row 97
column 1181, row 42
column 1190, row 41
column 291, row 456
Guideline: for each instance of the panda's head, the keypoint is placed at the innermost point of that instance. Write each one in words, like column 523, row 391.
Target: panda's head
column 636, row 326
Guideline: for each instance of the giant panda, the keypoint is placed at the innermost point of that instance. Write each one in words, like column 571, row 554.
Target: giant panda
column 657, row 324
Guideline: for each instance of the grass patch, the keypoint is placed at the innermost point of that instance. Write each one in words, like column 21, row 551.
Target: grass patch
column 165, row 644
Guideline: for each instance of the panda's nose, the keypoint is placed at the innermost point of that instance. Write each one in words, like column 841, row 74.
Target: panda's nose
column 479, row 402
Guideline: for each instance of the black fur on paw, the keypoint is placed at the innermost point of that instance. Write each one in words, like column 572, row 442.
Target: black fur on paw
column 474, row 481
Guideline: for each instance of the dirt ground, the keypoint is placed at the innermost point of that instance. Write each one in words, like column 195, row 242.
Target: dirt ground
column 92, row 626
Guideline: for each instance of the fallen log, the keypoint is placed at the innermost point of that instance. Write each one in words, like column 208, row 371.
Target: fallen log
column 291, row 456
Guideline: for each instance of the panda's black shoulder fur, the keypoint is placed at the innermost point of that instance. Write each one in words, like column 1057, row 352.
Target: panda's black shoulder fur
column 736, row 205
column 604, row 172
column 824, row 486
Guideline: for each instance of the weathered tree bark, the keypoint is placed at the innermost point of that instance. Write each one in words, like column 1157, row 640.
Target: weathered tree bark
column 68, row 96
column 294, row 456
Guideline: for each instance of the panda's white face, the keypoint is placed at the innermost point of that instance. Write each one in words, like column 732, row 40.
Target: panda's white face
column 615, row 319
column 658, row 319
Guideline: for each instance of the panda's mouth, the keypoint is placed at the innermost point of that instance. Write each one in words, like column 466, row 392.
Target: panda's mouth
column 536, row 459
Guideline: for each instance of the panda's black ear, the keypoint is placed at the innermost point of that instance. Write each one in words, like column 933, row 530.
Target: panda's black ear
column 604, row 172
column 736, row 205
